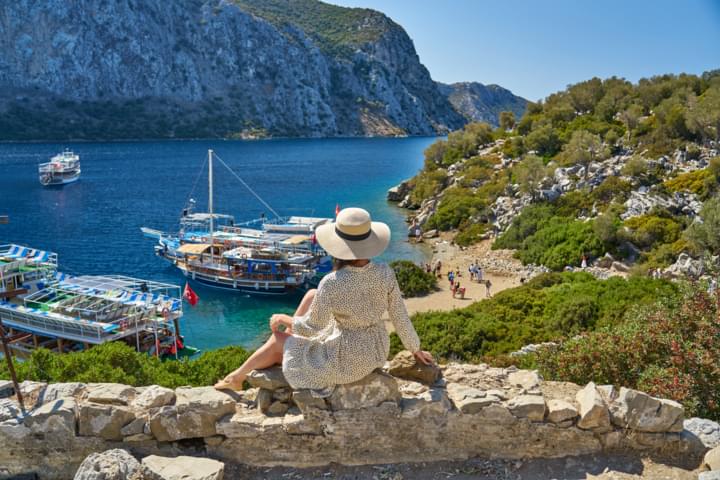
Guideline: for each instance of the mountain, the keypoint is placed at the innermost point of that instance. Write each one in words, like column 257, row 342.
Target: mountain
column 482, row 103
column 92, row 69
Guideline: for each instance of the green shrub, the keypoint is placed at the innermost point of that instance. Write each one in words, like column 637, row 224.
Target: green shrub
column 471, row 234
column 413, row 280
column 668, row 349
column 458, row 205
column 548, row 307
column 701, row 182
column 648, row 231
column 524, row 225
column 117, row 362
column 560, row 242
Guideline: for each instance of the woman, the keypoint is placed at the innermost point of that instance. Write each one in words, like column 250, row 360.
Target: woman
column 337, row 334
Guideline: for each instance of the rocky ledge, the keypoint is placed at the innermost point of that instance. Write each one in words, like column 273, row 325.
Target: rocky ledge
column 405, row 413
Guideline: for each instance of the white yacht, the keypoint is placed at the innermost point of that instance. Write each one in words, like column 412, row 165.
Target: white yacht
column 61, row 169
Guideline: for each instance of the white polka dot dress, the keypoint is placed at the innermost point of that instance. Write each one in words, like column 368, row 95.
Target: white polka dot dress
column 343, row 338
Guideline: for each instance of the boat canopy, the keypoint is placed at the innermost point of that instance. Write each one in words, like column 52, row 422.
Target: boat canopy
column 194, row 248
column 296, row 240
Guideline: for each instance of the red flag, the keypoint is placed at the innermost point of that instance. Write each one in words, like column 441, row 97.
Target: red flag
column 337, row 209
column 190, row 296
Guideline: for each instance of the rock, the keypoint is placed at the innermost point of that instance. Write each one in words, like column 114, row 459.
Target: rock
column 431, row 234
column 435, row 401
column 305, row 400
column 277, row 408
column 114, row 464
column 194, row 415
column 404, row 365
column 525, row 379
column 468, row 399
column 282, row 394
column 184, row 468
column 398, row 192
column 606, row 261
column 58, row 416
column 707, row 431
column 560, row 411
column 154, row 397
column 531, row 407
column 55, row 391
column 6, row 389
column 248, row 425
column 104, row 421
column 619, row 267
column 714, row 475
column 109, row 393
column 269, row 378
column 371, row 391
column 136, row 427
column 593, row 410
column 264, row 399
column 8, row 410
column 641, row 412
column 712, row 459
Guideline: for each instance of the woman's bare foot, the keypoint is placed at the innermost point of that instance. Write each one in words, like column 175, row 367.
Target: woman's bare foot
column 230, row 383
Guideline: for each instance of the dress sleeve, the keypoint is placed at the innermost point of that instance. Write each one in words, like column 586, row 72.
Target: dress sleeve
column 318, row 317
column 399, row 316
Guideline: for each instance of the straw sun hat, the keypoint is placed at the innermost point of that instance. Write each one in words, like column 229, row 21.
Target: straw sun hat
column 353, row 236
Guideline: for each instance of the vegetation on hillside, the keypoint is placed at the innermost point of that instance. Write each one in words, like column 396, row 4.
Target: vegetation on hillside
column 335, row 29
column 585, row 123
column 669, row 349
column 413, row 280
column 116, row 362
column 549, row 307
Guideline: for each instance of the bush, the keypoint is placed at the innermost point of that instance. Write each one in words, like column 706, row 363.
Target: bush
column 560, row 242
column 701, row 182
column 668, row 349
column 648, row 231
column 472, row 234
column 413, row 280
column 524, row 225
column 117, row 362
column 458, row 206
column 548, row 307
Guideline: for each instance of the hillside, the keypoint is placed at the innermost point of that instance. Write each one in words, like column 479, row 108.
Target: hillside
column 606, row 168
column 483, row 103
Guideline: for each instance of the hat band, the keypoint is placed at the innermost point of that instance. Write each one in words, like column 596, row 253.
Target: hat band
column 352, row 238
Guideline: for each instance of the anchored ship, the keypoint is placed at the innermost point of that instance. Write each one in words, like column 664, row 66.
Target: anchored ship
column 42, row 307
column 263, row 256
column 61, row 169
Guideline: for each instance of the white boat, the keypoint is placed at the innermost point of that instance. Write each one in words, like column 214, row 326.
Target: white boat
column 61, row 169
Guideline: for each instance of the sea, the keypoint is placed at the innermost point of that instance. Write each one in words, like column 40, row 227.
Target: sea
column 94, row 224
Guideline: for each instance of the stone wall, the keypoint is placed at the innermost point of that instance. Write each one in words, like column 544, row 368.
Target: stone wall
column 415, row 415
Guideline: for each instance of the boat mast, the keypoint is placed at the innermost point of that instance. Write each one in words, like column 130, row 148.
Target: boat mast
column 210, row 203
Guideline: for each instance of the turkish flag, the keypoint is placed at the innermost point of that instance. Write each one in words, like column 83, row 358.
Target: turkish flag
column 190, row 296
column 337, row 209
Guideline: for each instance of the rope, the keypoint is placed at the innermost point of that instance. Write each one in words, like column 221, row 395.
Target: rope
column 197, row 179
column 247, row 186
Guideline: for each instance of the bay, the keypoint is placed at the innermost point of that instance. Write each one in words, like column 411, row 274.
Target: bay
column 94, row 224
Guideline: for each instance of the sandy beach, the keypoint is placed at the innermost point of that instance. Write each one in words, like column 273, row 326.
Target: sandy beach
column 455, row 257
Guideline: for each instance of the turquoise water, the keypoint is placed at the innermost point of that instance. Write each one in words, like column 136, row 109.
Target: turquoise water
column 94, row 224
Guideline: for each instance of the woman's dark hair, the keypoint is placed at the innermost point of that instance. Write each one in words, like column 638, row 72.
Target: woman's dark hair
column 339, row 264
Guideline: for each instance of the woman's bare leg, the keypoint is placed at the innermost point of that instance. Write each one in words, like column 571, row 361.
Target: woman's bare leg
column 271, row 353
column 305, row 303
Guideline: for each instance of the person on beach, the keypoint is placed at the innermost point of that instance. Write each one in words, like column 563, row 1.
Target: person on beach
column 438, row 269
column 583, row 262
column 451, row 278
column 338, row 334
column 488, row 285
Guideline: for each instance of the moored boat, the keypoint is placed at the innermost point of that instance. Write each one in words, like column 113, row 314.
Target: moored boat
column 63, row 168
column 42, row 307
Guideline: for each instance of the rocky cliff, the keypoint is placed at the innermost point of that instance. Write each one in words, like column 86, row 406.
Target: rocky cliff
column 483, row 103
column 474, row 410
column 215, row 68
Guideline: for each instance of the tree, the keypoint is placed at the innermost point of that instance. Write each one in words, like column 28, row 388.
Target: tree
column 507, row 120
column 530, row 172
column 703, row 117
column 636, row 166
column 583, row 149
column 630, row 117
column 705, row 234
column 544, row 140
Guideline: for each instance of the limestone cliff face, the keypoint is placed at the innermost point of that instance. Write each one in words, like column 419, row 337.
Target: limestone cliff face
column 193, row 68
column 483, row 103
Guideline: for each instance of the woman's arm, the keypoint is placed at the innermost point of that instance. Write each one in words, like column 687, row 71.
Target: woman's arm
column 319, row 315
column 401, row 321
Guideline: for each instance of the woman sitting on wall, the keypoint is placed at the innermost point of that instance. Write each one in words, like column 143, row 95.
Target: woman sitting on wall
column 337, row 334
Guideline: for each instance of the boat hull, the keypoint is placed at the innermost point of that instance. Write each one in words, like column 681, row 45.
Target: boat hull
column 58, row 180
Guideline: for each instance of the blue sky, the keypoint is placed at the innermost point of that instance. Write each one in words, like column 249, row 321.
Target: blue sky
column 538, row 47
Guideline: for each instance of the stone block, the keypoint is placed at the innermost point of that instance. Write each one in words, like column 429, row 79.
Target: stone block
column 371, row 391
column 404, row 365
column 58, row 416
column 531, row 407
column 712, row 459
column 104, row 421
column 469, row 400
column 8, row 410
column 114, row 464
column 277, row 408
column 641, row 412
column 154, row 397
column 184, row 468
column 593, row 409
column 434, row 402
column 135, row 427
column 264, row 399
column 55, row 391
column 109, row 393
column 248, row 425
column 304, row 399
column 561, row 411
column 525, row 379
column 706, row 431
column 269, row 378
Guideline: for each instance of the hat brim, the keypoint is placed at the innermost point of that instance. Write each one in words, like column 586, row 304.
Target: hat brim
column 342, row 249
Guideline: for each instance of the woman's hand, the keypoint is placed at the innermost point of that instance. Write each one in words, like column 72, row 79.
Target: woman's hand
column 424, row 357
column 281, row 319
